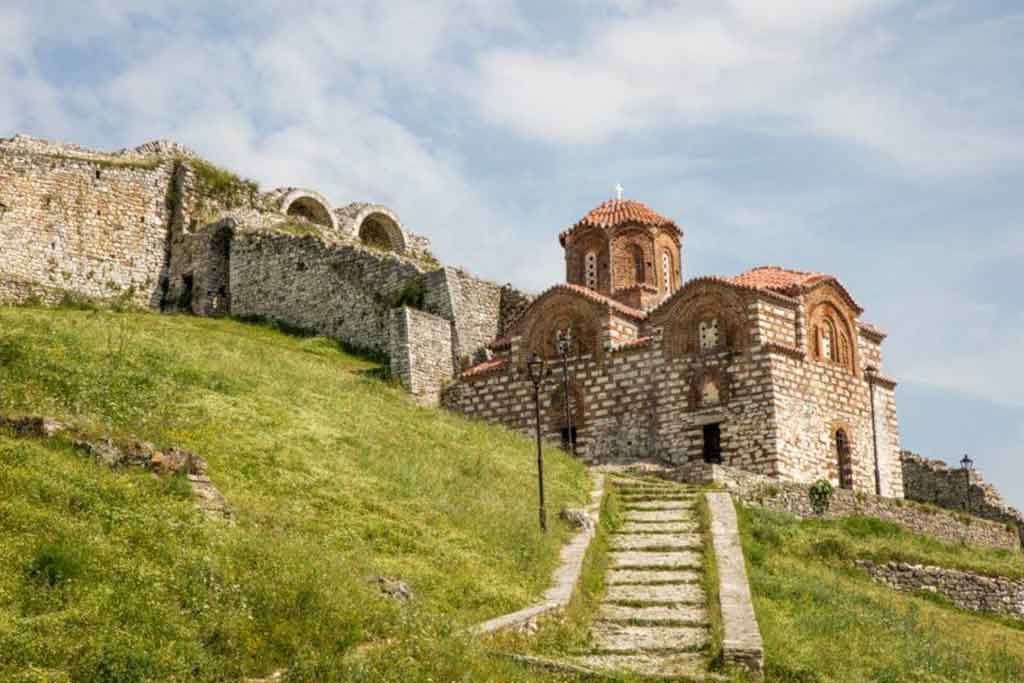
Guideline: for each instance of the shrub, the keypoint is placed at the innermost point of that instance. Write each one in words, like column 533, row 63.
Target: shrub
column 55, row 563
column 820, row 494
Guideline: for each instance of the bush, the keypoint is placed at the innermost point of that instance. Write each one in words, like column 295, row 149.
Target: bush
column 820, row 494
column 55, row 563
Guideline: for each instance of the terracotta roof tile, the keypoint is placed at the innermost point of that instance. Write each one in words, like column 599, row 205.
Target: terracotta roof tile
column 493, row 364
column 616, row 212
column 601, row 298
column 782, row 280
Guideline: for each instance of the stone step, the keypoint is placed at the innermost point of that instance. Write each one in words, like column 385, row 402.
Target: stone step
column 689, row 666
column 692, row 615
column 658, row 515
column 617, row 638
column 638, row 558
column 652, row 576
column 630, row 498
column 660, row 504
column 646, row 541
column 679, row 527
column 664, row 594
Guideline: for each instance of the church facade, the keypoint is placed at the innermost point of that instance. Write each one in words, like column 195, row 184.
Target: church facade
column 771, row 371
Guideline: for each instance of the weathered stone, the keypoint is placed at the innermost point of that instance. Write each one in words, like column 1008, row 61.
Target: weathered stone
column 578, row 519
column 392, row 588
column 624, row 576
column 690, row 614
column 656, row 593
column 655, row 515
column 646, row 541
column 636, row 527
column 690, row 666
column 609, row 637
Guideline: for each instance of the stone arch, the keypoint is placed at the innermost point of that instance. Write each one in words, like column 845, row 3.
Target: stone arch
column 309, row 205
column 830, row 335
column 701, row 302
column 378, row 227
column 593, row 241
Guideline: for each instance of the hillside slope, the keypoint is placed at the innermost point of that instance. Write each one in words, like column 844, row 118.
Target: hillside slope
column 334, row 476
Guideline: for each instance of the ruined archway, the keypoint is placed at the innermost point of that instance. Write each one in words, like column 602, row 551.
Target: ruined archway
column 381, row 230
column 309, row 206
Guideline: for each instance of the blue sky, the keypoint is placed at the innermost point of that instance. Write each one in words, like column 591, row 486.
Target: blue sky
column 880, row 141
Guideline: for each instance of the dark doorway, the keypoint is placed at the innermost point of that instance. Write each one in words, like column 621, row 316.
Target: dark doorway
column 845, row 462
column 713, row 444
column 568, row 437
column 185, row 295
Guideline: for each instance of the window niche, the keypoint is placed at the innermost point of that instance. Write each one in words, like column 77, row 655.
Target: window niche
column 708, row 335
column 590, row 266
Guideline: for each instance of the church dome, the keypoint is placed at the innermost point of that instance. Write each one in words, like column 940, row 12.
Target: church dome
column 616, row 212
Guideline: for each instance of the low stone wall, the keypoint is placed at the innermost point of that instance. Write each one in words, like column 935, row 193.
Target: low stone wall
column 966, row 590
column 742, row 644
column 421, row 352
column 755, row 489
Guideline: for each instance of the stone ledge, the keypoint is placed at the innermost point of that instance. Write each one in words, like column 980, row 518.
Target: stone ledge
column 741, row 637
column 566, row 576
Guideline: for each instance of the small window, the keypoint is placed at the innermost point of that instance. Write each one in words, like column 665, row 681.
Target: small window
column 666, row 271
column 845, row 462
column 713, row 444
column 591, row 268
column 827, row 343
column 637, row 254
column 708, row 333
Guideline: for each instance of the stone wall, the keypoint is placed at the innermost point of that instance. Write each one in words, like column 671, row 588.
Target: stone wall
column 932, row 481
column 754, row 489
column 421, row 352
column 343, row 292
column 966, row 590
column 72, row 220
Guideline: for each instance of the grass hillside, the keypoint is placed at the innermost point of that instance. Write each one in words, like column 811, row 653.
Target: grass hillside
column 335, row 477
column 824, row 620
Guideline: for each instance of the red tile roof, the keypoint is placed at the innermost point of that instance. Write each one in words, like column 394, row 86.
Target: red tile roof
column 601, row 298
column 616, row 212
column 781, row 280
column 487, row 366
column 788, row 282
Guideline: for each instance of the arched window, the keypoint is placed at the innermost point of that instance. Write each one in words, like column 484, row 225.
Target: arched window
column 827, row 340
column 637, row 254
column 844, row 460
column 707, row 332
column 591, row 269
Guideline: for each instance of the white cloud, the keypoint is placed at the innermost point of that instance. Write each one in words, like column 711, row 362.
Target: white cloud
column 794, row 68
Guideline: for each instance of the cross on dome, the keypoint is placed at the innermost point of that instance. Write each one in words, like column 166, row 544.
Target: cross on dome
column 618, row 190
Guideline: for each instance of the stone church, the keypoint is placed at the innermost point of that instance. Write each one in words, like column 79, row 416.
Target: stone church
column 771, row 371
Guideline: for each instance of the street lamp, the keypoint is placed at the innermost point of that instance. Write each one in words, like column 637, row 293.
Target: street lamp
column 536, row 369
column 966, row 465
column 564, row 338
column 872, row 375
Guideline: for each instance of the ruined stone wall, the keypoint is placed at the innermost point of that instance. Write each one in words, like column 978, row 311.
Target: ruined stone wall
column 343, row 292
column 792, row 497
column 77, row 221
column 932, row 481
column 814, row 399
column 421, row 352
column 513, row 304
column 966, row 590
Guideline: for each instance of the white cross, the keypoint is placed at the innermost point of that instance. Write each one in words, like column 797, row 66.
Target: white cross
column 618, row 189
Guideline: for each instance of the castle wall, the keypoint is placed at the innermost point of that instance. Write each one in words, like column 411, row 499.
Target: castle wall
column 340, row 291
column 932, row 481
column 421, row 352
column 78, row 221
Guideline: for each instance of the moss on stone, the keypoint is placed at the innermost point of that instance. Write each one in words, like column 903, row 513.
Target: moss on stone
column 222, row 186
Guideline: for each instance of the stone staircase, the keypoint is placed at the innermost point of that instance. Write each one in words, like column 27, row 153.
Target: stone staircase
column 653, row 620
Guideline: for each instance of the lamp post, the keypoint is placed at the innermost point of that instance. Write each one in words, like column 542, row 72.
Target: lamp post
column 966, row 465
column 536, row 368
column 564, row 338
column 872, row 375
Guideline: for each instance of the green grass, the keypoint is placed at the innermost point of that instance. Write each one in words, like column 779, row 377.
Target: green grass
column 335, row 477
column 823, row 620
